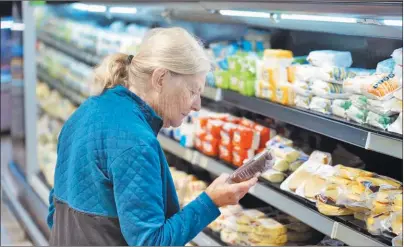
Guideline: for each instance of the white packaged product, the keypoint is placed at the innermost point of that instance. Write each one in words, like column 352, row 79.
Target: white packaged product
column 339, row 107
column 328, row 90
column 385, row 66
column 320, row 105
column 387, row 107
column 378, row 121
column 302, row 101
column 356, row 114
column 397, row 56
column 329, row 58
column 397, row 126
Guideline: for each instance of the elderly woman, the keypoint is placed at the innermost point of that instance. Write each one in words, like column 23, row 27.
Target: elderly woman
column 112, row 181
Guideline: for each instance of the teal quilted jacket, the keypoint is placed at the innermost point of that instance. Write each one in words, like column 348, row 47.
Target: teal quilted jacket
column 112, row 181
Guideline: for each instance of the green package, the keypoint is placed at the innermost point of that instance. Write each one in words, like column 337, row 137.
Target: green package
column 222, row 79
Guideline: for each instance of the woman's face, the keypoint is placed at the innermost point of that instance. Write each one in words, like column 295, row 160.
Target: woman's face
column 180, row 95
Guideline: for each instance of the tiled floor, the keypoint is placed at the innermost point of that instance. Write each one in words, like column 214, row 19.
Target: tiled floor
column 12, row 234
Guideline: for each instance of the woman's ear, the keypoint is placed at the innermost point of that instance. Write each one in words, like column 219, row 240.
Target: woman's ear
column 158, row 78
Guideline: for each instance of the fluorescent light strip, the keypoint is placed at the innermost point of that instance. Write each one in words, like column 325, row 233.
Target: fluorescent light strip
column 398, row 23
column 6, row 24
column 89, row 7
column 18, row 26
column 245, row 13
column 318, row 18
column 122, row 10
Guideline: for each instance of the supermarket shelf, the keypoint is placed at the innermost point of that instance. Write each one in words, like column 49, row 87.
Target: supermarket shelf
column 68, row 92
column 275, row 197
column 68, row 49
column 334, row 127
column 212, row 93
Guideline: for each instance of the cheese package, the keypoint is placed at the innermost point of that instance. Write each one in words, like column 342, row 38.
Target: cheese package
column 313, row 186
column 226, row 152
column 396, row 222
column 376, row 86
column 351, row 173
column 247, row 123
column 326, row 202
column 378, row 121
column 246, row 138
column 267, row 240
column 302, row 101
column 320, row 157
column 285, row 153
column 356, row 114
column 227, row 132
column 330, row 58
column 320, row 104
column 279, row 139
column 202, row 122
column 376, row 223
column 379, row 183
column 381, row 202
column 229, row 236
column 264, row 90
column 360, row 216
column 214, row 127
column 284, row 94
column 339, row 107
column 299, row 177
column 210, row 145
column 249, row 216
column 397, row 202
column 281, row 165
column 274, row 176
column 268, row 227
column 265, row 134
column 240, row 155
column 295, row 165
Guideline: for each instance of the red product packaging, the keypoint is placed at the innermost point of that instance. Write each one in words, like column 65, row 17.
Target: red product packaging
column 210, row 146
column 226, row 135
column 233, row 119
column 214, row 127
column 226, row 152
column 265, row 134
column 240, row 154
column 247, row 123
column 203, row 121
column 199, row 138
column 246, row 138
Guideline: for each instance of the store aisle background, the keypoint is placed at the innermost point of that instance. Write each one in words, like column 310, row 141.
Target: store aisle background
column 12, row 233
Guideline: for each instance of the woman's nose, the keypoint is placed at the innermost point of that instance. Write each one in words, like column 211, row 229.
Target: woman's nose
column 196, row 106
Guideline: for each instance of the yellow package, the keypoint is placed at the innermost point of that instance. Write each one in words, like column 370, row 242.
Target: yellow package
column 286, row 153
column 249, row 216
column 271, row 240
column 284, row 94
column 278, row 53
column 268, row 227
column 264, row 90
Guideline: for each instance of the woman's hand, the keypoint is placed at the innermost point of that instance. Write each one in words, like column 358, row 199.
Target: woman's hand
column 223, row 193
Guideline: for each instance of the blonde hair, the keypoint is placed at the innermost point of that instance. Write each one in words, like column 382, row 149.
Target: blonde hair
column 173, row 49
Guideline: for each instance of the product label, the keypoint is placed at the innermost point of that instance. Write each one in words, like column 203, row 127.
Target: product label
column 225, row 138
column 207, row 147
column 237, row 137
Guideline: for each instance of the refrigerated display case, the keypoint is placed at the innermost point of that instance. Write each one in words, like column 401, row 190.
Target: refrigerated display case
column 65, row 49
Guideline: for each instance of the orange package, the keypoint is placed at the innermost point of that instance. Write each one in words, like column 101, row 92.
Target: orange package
column 199, row 138
column 226, row 135
column 233, row 119
column 203, row 121
column 214, row 127
column 265, row 134
column 210, row 146
column 246, row 138
column 240, row 154
column 247, row 123
column 226, row 152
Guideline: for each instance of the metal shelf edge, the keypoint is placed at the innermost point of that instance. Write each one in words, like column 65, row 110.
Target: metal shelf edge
column 202, row 239
column 308, row 216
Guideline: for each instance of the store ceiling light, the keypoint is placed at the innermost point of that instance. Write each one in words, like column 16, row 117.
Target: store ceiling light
column 318, row 18
column 245, row 13
column 122, row 10
column 90, row 7
column 398, row 23
column 6, row 24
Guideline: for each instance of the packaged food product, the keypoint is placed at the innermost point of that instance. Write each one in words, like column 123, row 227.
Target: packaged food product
column 280, row 164
column 247, row 123
column 302, row 101
column 226, row 152
column 397, row 56
column 321, row 105
column 339, row 107
column 397, row 202
column 227, row 132
column 351, row 173
column 284, row 94
column 214, row 127
column 327, row 89
column 356, row 114
column 246, row 84
column 360, row 216
column 229, row 236
column 396, row 222
column 246, row 138
column 329, row 58
column 210, row 145
column 382, row 107
column 320, row 157
column 268, row 240
column 265, row 134
column 295, row 164
column 259, row 164
column 385, row 66
column 313, row 186
column 397, row 241
column 380, row 202
column 397, row 125
column 264, row 90
column 279, row 140
column 378, row 121
column 274, row 176
column 376, row 223
column 376, row 86
column 268, row 227
column 326, row 202
column 379, row 183
column 249, row 216
column 240, row 155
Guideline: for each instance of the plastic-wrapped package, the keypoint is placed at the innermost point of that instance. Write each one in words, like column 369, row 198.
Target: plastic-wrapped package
column 326, row 201
column 265, row 134
column 222, row 79
column 226, row 152
column 386, row 107
column 398, row 71
column 351, row 173
column 356, row 114
column 214, row 127
column 321, row 105
column 284, row 155
column 378, row 121
column 302, row 101
column 264, row 90
column 397, row 56
column 246, row 138
column 396, row 222
column 328, row 90
column 377, row 86
column 397, row 126
column 249, row 216
column 274, row 176
column 376, row 223
column 339, row 107
column 329, row 58
column 284, row 94
column 268, row 231
column 259, row 164
column 210, row 145
column 240, row 155
column 381, row 201
column 379, row 183
column 279, row 140
column 280, row 164
column 360, row 71
column 320, row 157
column 385, row 66
column 227, row 132
column 397, row 241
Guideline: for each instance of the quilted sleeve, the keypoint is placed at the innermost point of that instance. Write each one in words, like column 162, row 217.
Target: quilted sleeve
column 51, row 210
column 137, row 183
